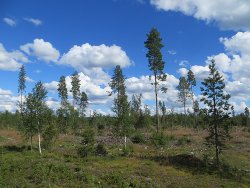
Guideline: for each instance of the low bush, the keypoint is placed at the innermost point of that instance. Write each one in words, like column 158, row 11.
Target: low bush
column 101, row 150
column 87, row 144
column 128, row 150
column 159, row 139
column 138, row 138
column 183, row 140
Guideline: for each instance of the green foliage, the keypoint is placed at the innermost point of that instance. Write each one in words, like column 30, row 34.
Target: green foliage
column 83, row 103
column 49, row 135
column 62, row 91
column 101, row 150
column 184, row 140
column 121, row 106
column 138, row 138
column 75, row 89
column 128, row 150
column 160, row 139
column 21, row 86
column 184, row 92
column 155, row 64
column 87, row 144
column 218, row 107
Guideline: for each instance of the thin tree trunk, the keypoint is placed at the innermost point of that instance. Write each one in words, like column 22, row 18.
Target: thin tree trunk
column 156, row 104
column 216, row 145
column 184, row 105
column 39, row 140
column 21, row 103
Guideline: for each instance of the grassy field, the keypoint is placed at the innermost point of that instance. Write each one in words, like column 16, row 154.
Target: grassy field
column 183, row 162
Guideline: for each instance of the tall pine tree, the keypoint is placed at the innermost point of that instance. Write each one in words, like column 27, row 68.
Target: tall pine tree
column 155, row 64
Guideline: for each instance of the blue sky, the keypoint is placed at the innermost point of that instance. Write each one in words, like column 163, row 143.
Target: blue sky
column 54, row 38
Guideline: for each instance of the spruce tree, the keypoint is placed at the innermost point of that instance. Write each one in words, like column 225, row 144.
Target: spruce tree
column 121, row 105
column 155, row 64
column 21, row 86
column 163, row 110
column 135, row 109
column 184, row 93
column 217, row 104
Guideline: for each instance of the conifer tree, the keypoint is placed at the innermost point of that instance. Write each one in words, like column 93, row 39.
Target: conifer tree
column 184, row 93
column 75, row 83
column 246, row 116
column 62, row 91
column 63, row 110
column 83, row 103
column 217, row 104
column 196, row 113
column 191, row 82
column 135, row 109
column 21, row 86
column 155, row 64
column 163, row 110
column 121, row 105
column 75, row 89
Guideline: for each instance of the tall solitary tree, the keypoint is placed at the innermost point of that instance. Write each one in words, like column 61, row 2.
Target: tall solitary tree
column 184, row 93
column 156, row 64
column 121, row 105
column 217, row 109
column 21, row 86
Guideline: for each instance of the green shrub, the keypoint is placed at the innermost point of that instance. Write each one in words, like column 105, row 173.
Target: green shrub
column 49, row 136
column 159, row 139
column 138, row 138
column 101, row 150
column 184, row 140
column 128, row 150
column 87, row 143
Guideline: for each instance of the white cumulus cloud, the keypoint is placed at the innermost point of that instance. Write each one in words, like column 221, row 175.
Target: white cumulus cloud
column 229, row 14
column 42, row 50
column 88, row 56
column 11, row 61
